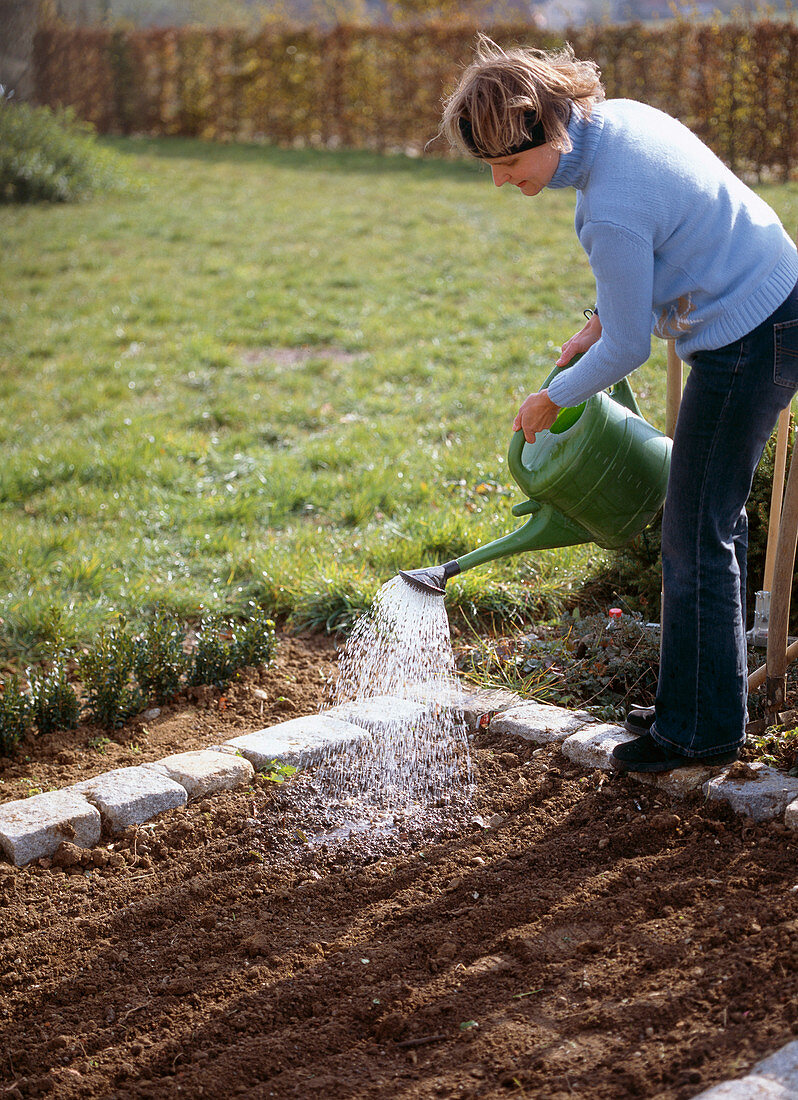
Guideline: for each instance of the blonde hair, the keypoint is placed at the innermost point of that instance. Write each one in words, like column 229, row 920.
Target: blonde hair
column 501, row 90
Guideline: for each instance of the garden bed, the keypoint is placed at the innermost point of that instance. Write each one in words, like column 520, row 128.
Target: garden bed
column 560, row 934
column 607, row 667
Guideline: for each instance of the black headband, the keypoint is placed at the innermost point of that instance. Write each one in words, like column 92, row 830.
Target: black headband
column 536, row 136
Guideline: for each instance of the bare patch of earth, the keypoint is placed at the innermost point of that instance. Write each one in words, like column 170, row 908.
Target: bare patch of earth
column 292, row 357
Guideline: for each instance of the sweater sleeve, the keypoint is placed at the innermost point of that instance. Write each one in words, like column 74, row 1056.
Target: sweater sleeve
column 623, row 265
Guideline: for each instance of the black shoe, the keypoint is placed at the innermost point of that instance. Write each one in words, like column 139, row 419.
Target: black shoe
column 645, row 755
column 640, row 720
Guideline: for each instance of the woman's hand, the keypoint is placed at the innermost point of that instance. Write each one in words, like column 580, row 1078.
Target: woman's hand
column 537, row 414
column 581, row 341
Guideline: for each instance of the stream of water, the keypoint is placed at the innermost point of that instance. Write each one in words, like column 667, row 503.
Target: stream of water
column 398, row 669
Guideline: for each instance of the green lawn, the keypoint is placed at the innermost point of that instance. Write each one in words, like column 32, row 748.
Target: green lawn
column 277, row 376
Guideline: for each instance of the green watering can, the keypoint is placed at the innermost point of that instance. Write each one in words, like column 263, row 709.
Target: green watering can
column 598, row 475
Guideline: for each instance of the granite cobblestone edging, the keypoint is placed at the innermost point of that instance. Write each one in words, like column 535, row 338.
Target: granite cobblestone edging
column 32, row 828
column 35, row 827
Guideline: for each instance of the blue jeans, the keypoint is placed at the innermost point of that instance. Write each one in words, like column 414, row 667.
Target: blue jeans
column 731, row 402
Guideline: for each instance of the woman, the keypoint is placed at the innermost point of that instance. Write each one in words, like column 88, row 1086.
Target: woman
column 681, row 248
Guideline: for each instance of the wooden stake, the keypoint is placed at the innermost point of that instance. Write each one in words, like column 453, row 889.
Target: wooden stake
column 776, row 496
column 674, row 381
column 781, row 591
column 673, row 390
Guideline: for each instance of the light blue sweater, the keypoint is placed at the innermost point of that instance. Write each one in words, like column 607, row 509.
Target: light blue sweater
column 677, row 244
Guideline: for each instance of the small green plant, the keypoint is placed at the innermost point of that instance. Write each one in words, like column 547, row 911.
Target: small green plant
column 278, row 773
column 511, row 664
column 253, row 639
column 777, row 747
column 53, row 702
column 106, row 671
column 160, row 660
column 212, row 661
column 14, row 714
column 48, row 156
column 223, row 646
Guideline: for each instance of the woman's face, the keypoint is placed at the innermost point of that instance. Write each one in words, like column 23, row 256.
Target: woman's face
column 529, row 171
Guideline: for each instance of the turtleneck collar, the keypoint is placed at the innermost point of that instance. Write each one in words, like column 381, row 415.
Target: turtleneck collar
column 585, row 134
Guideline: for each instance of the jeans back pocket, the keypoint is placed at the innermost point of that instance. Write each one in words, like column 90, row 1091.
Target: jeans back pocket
column 785, row 354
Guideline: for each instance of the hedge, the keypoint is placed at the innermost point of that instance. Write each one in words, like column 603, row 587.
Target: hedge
column 380, row 87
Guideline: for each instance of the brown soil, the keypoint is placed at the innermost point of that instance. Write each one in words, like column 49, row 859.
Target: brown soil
column 559, row 935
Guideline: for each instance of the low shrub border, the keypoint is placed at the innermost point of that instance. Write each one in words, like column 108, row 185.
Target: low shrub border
column 121, row 674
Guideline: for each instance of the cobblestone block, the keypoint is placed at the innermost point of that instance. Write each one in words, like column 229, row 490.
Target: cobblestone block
column 781, row 1067
column 592, row 746
column 774, row 1078
column 480, row 703
column 379, row 712
column 541, row 722
column 681, row 782
column 129, row 796
column 474, row 704
column 204, row 771
column 748, row 1088
column 298, row 741
column 32, row 828
column 756, row 790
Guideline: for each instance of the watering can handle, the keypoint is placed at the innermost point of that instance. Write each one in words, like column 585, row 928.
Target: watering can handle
column 620, row 392
column 516, row 448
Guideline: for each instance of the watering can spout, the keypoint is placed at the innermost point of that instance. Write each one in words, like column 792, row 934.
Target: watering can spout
column 431, row 580
column 546, row 529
